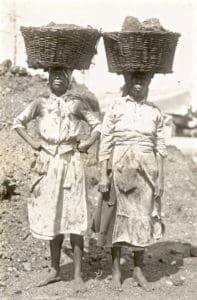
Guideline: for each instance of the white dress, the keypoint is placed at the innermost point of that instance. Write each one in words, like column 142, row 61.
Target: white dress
column 135, row 133
column 58, row 202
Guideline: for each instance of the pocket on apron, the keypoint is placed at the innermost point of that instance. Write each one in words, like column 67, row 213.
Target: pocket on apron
column 35, row 186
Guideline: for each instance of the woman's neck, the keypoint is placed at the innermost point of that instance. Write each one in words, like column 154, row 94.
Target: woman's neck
column 59, row 93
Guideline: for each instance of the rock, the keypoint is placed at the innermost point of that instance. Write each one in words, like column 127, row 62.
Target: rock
column 186, row 249
column 45, row 266
column 176, row 251
column 178, row 280
column 10, row 269
column 18, row 292
column 3, row 277
column 188, row 261
column 193, row 251
column 150, row 255
column 122, row 261
column 27, row 266
column 168, row 282
column 5, row 66
column 2, row 284
column 20, row 71
column 7, row 187
column 161, row 260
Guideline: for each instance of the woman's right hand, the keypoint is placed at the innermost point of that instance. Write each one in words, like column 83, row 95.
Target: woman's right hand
column 36, row 145
column 104, row 184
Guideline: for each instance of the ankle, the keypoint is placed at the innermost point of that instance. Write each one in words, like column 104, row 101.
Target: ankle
column 116, row 272
column 137, row 269
column 55, row 270
column 77, row 275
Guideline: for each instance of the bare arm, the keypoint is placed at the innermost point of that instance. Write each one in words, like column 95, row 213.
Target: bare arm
column 159, row 187
column 27, row 138
column 85, row 145
column 161, row 153
column 21, row 121
column 104, row 179
column 95, row 124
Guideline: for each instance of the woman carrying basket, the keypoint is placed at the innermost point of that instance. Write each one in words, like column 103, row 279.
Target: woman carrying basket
column 133, row 134
column 58, row 202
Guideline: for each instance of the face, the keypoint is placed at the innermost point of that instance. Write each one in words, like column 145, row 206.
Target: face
column 138, row 84
column 59, row 81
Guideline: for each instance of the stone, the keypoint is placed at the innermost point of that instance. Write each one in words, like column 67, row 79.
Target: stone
column 193, row 251
column 27, row 266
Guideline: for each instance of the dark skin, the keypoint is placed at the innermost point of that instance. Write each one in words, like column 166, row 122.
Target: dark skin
column 59, row 82
column 137, row 87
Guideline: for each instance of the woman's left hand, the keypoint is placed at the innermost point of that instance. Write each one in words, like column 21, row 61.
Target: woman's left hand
column 159, row 187
column 83, row 146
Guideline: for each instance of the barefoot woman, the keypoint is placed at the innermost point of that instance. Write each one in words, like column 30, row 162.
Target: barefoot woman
column 58, row 202
column 134, row 129
column 133, row 133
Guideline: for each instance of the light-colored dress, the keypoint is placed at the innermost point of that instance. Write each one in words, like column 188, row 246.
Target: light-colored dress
column 58, row 202
column 134, row 132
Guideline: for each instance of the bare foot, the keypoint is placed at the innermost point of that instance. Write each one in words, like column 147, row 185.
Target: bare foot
column 51, row 278
column 79, row 285
column 116, row 281
column 140, row 279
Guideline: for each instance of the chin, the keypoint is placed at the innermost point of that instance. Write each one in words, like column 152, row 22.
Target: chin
column 57, row 87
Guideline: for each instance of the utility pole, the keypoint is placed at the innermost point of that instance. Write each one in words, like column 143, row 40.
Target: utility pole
column 13, row 18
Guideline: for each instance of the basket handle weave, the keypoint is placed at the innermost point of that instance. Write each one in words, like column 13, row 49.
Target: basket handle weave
column 115, row 36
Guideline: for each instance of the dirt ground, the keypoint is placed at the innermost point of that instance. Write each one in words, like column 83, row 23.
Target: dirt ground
column 24, row 260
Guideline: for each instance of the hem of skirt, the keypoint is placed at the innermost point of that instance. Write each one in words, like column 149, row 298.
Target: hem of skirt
column 51, row 237
column 130, row 244
column 102, row 241
column 127, row 244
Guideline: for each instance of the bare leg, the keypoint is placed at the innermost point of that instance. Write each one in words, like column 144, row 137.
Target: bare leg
column 116, row 272
column 77, row 244
column 138, row 275
column 55, row 250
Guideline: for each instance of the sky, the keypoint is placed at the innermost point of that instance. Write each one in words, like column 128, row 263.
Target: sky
column 108, row 15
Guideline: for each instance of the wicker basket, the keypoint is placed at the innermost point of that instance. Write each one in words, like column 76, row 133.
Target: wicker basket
column 140, row 51
column 72, row 48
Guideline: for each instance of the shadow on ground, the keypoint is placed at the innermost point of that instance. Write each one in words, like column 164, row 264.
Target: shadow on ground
column 162, row 259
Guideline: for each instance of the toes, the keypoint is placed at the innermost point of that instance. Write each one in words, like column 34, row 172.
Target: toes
column 49, row 281
column 79, row 286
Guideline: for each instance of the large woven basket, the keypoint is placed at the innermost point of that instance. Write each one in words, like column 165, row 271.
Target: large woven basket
column 140, row 51
column 48, row 46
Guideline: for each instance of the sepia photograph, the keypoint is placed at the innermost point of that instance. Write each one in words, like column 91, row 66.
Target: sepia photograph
column 98, row 156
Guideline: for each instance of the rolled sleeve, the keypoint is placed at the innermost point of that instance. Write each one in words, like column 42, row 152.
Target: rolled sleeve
column 30, row 113
column 160, row 146
column 107, row 133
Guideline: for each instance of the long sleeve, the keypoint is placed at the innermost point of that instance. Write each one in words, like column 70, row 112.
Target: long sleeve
column 107, row 130
column 160, row 146
column 31, row 112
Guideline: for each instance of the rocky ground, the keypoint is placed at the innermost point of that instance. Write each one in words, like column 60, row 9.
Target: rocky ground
column 170, row 264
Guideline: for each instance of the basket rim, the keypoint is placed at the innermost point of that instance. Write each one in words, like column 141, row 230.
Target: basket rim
column 56, row 29
column 138, row 32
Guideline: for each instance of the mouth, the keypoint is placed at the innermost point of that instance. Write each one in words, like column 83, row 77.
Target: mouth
column 137, row 87
column 57, row 82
